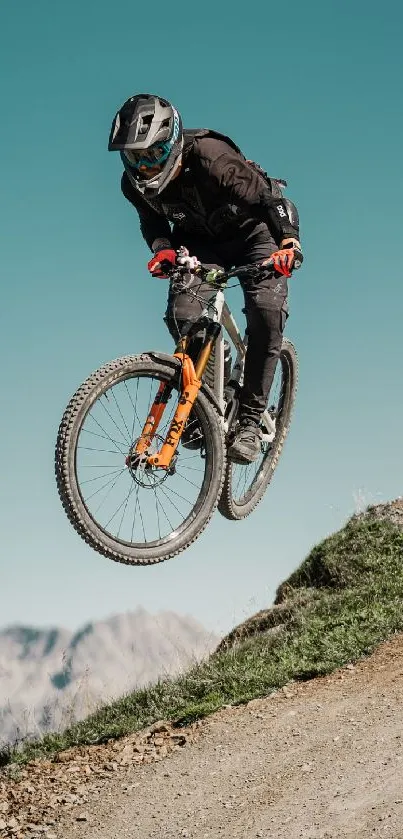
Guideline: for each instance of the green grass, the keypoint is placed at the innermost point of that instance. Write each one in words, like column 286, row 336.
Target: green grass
column 344, row 599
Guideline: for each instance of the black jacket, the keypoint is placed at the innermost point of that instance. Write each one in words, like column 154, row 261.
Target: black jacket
column 217, row 194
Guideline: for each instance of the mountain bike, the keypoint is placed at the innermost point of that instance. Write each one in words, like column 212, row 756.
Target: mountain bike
column 133, row 484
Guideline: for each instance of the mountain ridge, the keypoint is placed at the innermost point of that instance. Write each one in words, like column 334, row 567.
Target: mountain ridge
column 53, row 676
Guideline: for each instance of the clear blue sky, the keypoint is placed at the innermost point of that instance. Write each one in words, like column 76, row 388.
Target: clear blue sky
column 313, row 92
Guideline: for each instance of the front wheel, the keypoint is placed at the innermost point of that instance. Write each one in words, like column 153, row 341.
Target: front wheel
column 135, row 514
column 245, row 485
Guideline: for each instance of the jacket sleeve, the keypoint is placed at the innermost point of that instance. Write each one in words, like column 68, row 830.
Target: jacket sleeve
column 242, row 185
column 155, row 228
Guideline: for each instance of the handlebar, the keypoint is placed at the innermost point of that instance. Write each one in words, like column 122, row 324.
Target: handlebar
column 216, row 276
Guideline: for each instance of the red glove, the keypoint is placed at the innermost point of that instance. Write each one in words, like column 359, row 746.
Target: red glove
column 285, row 259
column 162, row 260
column 282, row 261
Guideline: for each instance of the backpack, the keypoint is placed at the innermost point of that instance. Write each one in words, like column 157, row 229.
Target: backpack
column 275, row 184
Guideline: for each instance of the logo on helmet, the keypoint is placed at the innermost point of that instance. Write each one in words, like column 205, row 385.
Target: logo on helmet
column 116, row 126
column 175, row 134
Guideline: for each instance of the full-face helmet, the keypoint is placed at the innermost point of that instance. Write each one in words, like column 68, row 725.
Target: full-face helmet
column 147, row 130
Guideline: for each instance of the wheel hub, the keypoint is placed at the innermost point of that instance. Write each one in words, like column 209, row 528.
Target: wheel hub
column 142, row 472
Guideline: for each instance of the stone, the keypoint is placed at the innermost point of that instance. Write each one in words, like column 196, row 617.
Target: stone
column 160, row 726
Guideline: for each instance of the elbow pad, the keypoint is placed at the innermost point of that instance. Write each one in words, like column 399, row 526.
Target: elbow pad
column 292, row 213
column 160, row 245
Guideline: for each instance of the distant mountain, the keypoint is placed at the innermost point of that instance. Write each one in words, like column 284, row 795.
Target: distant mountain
column 50, row 677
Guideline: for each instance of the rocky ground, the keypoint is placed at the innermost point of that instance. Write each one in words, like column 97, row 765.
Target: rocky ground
column 316, row 760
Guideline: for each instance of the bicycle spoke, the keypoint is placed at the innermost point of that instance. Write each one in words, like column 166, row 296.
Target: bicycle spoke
column 125, row 508
column 135, row 415
column 239, row 480
column 103, row 487
column 164, row 511
column 170, row 501
column 108, row 451
column 111, row 418
column 108, row 437
column 188, row 481
column 150, row 399
column 135, row 508
column 119, row 508
column 102, row 436
column 180, row 496
column 98, row 465
column 99, row 477
column 142, row 523
column 158, row 515
column 191, row 468
column 120, row 412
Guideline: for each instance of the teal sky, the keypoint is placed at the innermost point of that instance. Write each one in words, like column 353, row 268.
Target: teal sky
column 313, row 92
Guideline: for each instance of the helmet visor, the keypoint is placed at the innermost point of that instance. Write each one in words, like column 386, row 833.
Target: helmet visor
column 154, row 156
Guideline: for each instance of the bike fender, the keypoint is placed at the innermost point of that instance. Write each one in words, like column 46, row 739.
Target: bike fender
column 165, row 357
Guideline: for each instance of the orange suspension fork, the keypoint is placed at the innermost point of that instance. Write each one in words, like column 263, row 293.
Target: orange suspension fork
column 154, row 418
column 191, row 383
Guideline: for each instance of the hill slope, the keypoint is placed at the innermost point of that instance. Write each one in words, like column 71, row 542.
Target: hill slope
column 328, row 766
column 318, row 760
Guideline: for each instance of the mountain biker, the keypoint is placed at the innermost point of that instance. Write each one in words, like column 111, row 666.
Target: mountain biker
column 194, row 188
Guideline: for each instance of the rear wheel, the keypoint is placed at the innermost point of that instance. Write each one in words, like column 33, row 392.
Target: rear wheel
column 127, row 511
column 245, row 484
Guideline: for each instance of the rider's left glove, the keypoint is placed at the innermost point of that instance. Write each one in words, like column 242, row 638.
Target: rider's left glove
column 287, row 259
column 162, row 262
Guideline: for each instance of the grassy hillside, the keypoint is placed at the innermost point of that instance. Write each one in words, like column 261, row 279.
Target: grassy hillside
column 344, row 599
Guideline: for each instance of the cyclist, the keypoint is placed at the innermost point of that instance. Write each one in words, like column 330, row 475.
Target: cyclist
column 194, row 188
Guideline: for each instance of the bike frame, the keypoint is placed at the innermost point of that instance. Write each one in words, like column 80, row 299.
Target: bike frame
column 192, row 380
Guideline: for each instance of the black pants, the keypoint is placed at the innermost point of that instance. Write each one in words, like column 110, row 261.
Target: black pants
column 265, row 307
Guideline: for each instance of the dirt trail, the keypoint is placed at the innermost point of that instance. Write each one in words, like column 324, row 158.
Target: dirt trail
column 319, row 760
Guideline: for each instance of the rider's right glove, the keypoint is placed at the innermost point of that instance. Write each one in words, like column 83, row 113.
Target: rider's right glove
column 162, row 262
column 288, row 258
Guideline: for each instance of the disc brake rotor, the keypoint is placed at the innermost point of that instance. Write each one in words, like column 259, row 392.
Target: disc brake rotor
column 143, row 474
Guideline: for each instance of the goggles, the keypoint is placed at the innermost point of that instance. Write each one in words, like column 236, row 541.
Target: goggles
column 156, row 155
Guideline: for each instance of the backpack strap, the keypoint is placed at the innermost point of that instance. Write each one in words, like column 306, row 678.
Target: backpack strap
column 192, row 134
column 275, row 184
